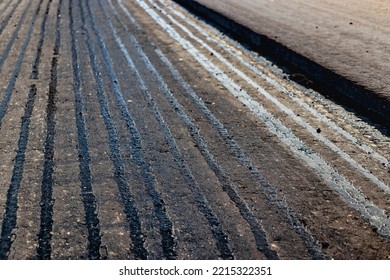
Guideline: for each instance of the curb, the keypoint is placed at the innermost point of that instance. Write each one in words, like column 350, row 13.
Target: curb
column 364, row 101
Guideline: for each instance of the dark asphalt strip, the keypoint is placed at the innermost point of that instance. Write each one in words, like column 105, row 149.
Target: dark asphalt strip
column 10, row 216
column 37, row 60
column 8, row 91
column 166, row 231
column 47, row 202
column 119, row 175
column 45, row 233
column 7, row 17
column 57, row 42
column 228, row 185
column 11, row 208
column 9, row 220
column 89, row 200
column 16, row 32
column 214, row 223
column 271, row 193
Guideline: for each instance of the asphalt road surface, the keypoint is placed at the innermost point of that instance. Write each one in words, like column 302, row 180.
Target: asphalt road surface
column 132, row 130
column 350, row 38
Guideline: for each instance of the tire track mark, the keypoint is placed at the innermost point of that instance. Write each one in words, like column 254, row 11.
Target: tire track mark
column 168, row 241
column 270, row 191
column 57, row 42
column 7, row 17
column 228, row 185
column 47, row 201
column 126, row 12
column 351, row 195
column 11, row 207
column 35, row 68
column 16, row 31
column 8, row 91
column 124, row 190
column 45, row 233
column 89, row 199
column 202, row 203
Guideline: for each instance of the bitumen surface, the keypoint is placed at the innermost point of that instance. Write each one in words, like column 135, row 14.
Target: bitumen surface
column 130, row 129
column 341, row 46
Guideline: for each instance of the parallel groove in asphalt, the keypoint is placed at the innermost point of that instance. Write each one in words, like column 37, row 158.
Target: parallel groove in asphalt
column 145, row 168
column 270, row 191
column 126, row 196
column 282, row 107
column 15, row 34
column 7, row 17
column 35, row 67
column 366, row 149
column 46, row 226
column 376, row 216
column 369, row 128
column 89, row 199
column 5, row 7
column 11, row 208
column 214, row 121
column 57, row 42
column 129, row 16
column 228, row 185
column 214, row 223
column 168, row 241
column 18, row 65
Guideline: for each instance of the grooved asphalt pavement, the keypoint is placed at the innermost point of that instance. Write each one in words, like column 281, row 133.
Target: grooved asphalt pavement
column 131, row 129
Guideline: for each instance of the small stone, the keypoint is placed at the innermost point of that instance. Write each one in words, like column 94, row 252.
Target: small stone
column 325, row 245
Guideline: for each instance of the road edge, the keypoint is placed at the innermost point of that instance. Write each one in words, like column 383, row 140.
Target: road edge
column 364, row 101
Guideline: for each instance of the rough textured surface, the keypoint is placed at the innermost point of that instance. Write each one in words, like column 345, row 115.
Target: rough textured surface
column 131, row 130
column 351, row 37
